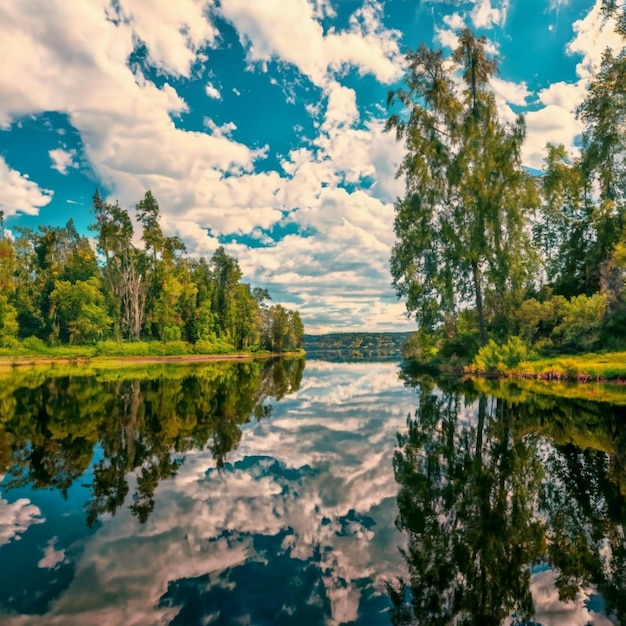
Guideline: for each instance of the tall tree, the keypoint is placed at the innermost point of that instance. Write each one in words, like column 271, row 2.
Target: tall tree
column 460, row 226
column 124, row 265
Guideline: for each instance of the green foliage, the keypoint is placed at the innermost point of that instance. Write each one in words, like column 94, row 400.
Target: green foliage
column 496, row 358
column 8, row 324
column 460, row 227
column 582, row 321
column 55, row 289
column 79, row 311
column 356, row 345
column 217, row 346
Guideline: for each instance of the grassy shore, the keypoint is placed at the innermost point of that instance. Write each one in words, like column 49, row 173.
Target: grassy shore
column 140, row 351
column 589, row 367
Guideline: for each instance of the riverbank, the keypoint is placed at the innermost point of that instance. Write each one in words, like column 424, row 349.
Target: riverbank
column 588, row 367
column 138, row 353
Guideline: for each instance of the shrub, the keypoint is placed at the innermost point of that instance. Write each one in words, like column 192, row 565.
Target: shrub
column 36, row 345
column 582, row 321
column 216, row 346
column 495, row 358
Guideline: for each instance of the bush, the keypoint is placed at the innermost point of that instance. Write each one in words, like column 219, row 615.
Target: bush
column 118, row 348
column 36, row 345
column 495, row 358
column 582, row 321
column 173, row 348
column 216, row 346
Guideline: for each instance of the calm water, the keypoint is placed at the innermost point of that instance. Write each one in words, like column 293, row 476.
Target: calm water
column 279, row 493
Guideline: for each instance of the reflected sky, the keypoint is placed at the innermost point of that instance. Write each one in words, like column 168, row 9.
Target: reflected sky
column 299, row 521
column 294, row 523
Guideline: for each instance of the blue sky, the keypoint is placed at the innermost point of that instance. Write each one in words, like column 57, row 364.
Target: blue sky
column 258, row 124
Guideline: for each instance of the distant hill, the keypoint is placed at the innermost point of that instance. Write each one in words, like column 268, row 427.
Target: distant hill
column 356, row 345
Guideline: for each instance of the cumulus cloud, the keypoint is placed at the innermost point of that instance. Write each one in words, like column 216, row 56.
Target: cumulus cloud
column 213, row 92
column 173, row 32
column 19, row 194
column 484, row 15
column 290, row 32
column 556, row 121
column 207, row 179
column 16, row 517
column 62, row 160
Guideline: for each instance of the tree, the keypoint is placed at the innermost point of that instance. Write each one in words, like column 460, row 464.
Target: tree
column 561, row 233
column 148, row 213
column 226, row 274
column 123, row 271
column 79, row 311
column 460, row 226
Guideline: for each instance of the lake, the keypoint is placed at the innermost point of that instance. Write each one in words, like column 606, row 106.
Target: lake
column 285, row 492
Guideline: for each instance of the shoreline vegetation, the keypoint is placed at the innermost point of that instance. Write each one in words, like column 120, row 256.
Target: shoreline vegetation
column 587, row 367
column 138, row 352
column 608, row 367
column 509, row 273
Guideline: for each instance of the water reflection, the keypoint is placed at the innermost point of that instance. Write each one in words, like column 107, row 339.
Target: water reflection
column 504, row 494
column 500, row 507
column 132, row 420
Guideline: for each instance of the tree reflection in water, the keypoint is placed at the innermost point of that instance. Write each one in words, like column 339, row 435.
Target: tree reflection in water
column 491, row 489
column 52, row 427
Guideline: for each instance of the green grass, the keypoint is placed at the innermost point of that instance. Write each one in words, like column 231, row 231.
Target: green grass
column 33, row 348
column 583, row 367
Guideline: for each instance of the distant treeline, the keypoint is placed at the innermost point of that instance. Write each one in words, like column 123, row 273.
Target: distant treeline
column 364, row 343
column 55, row 288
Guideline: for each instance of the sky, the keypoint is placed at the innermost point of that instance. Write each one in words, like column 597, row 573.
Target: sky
column 259, row 124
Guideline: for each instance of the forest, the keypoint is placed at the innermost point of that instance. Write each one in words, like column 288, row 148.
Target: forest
column 490, row 257
column 55, row 289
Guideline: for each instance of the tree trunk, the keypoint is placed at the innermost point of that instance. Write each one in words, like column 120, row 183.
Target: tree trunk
column 479, row 302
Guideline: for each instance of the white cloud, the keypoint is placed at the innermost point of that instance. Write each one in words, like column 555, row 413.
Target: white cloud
column 16, row 517
column 174, row 32
column 565, row 95
column 290, row 32
column 556, row 121
column 19, row 194
column 510, row 92
column 551, row 123
column 447, row 38
column 484, row 15
column 213, row 92
column 593, row 35
column 52, row 557
column 62, row 160
column 454, row 21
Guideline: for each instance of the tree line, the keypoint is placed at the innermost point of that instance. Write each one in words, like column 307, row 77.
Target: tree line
column 56, row 288
column 487, row 251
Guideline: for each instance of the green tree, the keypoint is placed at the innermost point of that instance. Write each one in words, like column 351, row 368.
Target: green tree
column 460, row 227
column 124, row 270
column 79, row 310
column 9, row 325
column 226, row 275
